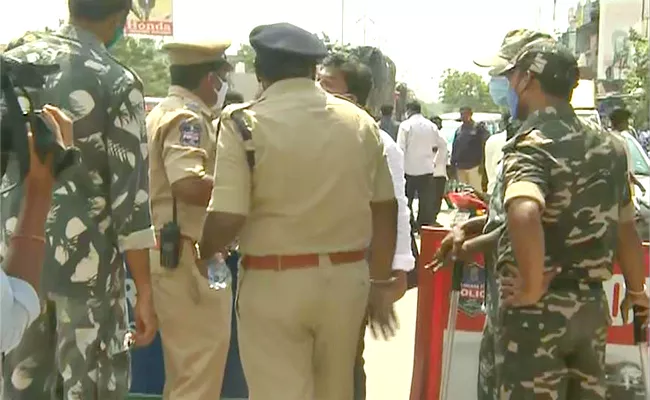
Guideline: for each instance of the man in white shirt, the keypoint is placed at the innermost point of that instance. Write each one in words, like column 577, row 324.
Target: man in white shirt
column 440, row 164
column 420, row 141
column 19, row 307
column 349, row 78
column 493, row 155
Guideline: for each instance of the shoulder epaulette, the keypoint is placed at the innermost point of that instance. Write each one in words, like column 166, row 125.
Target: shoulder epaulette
column 229, row 110
column 194, row 107
column 235, row 112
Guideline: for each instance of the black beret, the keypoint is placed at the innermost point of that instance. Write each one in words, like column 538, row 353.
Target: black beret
column 98, row 9
column 287, row 39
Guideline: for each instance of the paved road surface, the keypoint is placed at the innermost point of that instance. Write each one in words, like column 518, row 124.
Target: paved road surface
column 389, row 365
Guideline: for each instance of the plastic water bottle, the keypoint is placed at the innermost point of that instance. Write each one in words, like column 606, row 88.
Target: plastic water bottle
column 219, row 274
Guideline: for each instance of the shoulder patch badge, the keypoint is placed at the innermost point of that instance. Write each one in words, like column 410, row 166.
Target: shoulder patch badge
column 191, row 133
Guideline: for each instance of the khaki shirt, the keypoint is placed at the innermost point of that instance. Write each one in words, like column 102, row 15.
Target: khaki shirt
column 319, row 163
column 182, row 144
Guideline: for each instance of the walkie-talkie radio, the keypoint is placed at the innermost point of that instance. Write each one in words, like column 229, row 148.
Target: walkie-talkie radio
column 170, row 242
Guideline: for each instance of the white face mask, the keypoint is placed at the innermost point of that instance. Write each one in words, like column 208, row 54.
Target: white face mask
column 221, row 96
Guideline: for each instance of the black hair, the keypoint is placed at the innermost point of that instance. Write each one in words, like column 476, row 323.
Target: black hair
column 387, row 110
column 357, row 75
column 276, row 66
column 619, row 117
column 414, row 107
column 97, row 10
column 190, row 76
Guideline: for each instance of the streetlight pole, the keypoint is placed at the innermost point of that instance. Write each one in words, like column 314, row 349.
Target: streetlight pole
column 342, row 22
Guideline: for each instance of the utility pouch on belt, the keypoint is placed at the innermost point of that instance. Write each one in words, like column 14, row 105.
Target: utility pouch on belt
column 170, row 242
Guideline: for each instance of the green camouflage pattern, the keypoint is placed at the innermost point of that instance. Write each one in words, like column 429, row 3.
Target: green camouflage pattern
column 487, row 378
column 511, row 45
column 582, row 175
column 519, row 44
column 74, row 350
column 486, row 382
column 553, row 350
column 98, row 213
column 105, row 203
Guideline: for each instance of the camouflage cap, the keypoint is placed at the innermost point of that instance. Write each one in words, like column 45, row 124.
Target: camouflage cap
column 536, row 51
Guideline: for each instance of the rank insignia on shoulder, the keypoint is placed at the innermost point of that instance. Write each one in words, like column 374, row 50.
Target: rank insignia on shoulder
column 229, row 110
column 194, row 107
column 191, row 133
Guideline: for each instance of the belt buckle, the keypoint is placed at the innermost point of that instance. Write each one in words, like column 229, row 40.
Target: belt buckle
column 278, row 267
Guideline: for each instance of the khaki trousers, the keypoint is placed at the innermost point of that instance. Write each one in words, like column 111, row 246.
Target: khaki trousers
column 299, row 330
column 194, row 323
column 471, row 177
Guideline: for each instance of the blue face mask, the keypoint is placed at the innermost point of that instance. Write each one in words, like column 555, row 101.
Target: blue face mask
column 513, row 102
column 503, row 95
column 119, row 34
column 499, row 88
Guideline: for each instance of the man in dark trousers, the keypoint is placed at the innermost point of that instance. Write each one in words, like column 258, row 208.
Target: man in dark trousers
column 420, row 141
column 387, row 123
column 348, row 77
column 467, row 150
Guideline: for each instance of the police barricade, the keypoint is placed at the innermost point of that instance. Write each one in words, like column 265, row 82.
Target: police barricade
column 148, row 372
column 623, row 361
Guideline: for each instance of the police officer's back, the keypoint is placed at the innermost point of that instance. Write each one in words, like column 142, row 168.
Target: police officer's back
column 194, row 319
column 304, row 174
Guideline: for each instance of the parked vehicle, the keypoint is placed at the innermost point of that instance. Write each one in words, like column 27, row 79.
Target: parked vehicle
column 641, row 193
column 151, row 102
column 641, row 171
column 451, row 122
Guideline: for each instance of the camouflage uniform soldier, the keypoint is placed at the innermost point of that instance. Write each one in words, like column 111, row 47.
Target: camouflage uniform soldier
column 76, row 349
column 568, row 206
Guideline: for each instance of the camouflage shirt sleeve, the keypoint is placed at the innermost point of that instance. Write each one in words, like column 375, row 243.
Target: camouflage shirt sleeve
column 128, row 168
column 526, row 168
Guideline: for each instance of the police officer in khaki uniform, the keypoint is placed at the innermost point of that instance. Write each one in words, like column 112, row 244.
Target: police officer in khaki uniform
column 301, row 177
column 194, row 319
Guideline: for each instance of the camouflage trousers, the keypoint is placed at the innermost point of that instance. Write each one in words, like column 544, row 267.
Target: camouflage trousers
column 553, row 350
column 487, row 378
column 74, row 350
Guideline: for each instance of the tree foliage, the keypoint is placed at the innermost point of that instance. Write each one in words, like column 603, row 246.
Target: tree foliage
column 245, row 55
column 334, row 46
column 143, row 55
column 459, row 89
column 637, row 84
